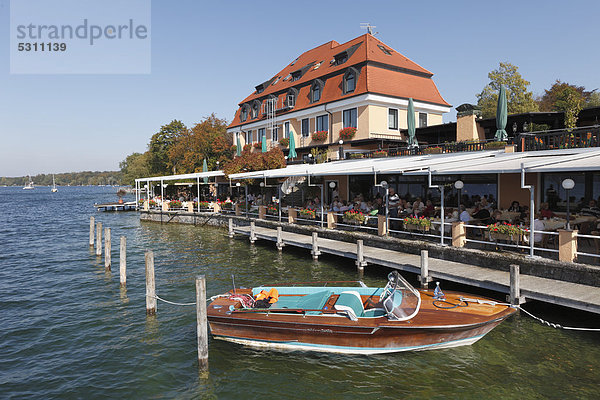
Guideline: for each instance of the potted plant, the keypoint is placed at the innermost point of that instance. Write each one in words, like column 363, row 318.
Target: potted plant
column 204, row 204
column 152, row 203
column 505, row 231
column 319, row 136
column 307, row 213
column 433, row 150
column 285, row 142
column 347, row 133
column 354, row 217
column 494, row 145
column 380, row 154
column 227, row 205
column 417, row 223
column 257, row 145
column 174, row 204
column 273, row 209
column 354, row 156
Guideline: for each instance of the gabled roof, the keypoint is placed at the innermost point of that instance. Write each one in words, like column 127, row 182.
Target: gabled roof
column 382, row 70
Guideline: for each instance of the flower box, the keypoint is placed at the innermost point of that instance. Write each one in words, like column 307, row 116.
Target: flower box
column 417, row 224
column 307, row 213
column 354, row 217
column 320, row 136
column 433, row 150
column 347, row 133
column 272, row 210
column 413, row 227
column 285, row 142
column 175, row 204
column 380, row 154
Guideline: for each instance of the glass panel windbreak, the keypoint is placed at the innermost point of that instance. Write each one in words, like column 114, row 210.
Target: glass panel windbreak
column 556, row 196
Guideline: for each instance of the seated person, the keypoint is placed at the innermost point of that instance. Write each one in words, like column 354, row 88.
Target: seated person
column 545, row 212
column 515, row 207
column 429, row 210
column 464, row 215
column 483, row 215
column 538, row 226
column 592, row 209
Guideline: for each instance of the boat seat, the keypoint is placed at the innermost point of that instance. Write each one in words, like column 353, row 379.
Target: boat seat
column 313, row 301
column 351, row 303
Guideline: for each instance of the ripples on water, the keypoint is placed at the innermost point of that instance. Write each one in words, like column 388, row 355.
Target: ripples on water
column 69, row 331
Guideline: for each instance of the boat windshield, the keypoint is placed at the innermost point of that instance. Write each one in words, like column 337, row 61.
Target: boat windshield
column 400, row 300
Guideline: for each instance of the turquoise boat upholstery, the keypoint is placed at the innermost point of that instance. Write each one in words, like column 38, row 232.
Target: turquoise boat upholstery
column 313, row 301
column 299, row 290
column 352, row 300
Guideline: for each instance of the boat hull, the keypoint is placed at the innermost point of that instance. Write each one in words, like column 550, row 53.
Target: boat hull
column 431, row 329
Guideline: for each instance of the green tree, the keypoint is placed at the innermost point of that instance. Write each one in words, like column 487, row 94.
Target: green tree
column 519, row 99
column 594, row 99
column 160, row 144
column 134, row 166
column 554, row 99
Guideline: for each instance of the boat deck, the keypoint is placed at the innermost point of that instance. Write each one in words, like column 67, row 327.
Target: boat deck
column 573, row 295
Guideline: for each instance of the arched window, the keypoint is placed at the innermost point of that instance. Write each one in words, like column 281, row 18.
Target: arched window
column 255, row 108
column 244, row 113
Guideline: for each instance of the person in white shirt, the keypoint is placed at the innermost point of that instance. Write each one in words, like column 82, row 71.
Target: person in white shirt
column 464, row 215
column 538, row 226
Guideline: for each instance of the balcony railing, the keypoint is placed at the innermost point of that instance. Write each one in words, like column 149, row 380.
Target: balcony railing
column 588, row 136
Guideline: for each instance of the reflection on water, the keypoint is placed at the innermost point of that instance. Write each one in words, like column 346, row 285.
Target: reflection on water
column 70, row 331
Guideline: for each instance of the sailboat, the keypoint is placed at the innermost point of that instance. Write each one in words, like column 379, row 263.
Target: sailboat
column 54, row 189
column 29, row 185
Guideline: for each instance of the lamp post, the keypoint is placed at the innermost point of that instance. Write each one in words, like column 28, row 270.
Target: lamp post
column 568, row 184
column 385, row 186
column 341, row 150
column 459, row 185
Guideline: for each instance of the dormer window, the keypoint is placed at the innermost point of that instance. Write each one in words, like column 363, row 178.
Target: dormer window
column 340, row 58
column 290, row 99
column 349, row 82
column 296, row 75
column 275, row 81
column 260, row 89
column 315, row 92
column 255, row 108
column 244, row 113
column 386, row 51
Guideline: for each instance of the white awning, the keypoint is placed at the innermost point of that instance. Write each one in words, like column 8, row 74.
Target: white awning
column 195, row 175
column 390, row 165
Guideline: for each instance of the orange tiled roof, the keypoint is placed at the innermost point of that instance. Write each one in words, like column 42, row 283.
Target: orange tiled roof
column 406, row 79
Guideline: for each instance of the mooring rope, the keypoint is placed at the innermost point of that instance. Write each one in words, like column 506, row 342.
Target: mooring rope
column 172, row 302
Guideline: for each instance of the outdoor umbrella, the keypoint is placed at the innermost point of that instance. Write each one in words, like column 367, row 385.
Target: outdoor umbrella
column 264, row 143
column 501, row 116
column 238, row 146
column 205, row 169
column 292, row 152
column 410, row 119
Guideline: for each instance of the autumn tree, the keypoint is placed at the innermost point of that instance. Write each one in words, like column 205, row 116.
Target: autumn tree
column 555, row 98
column 255, row 161
column 160, row 144
column 206, row 140
column 519, row 99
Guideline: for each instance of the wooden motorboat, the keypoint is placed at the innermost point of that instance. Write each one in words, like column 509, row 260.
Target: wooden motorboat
column 337, row 317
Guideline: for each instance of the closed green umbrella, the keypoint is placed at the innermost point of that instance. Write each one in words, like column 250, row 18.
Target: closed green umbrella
column 501, row 116
column 264, row 143
column 410, row 119
column 238, row 146
column 205, row 169
column 292, row 152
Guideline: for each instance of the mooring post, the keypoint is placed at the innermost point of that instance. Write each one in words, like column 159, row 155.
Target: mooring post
column 315, row 246
column 515, row 286
column 252, row 232
column 424, row 277
column 92, row 226
column 231, row 228
column 360, row 257
column 150, row 286
column 107, row 249
column 201, row 322
column 123, row 262
column 279, row 243
column 99, row 239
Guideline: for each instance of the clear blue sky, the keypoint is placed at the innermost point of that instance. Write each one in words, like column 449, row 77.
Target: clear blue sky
column 207, row 56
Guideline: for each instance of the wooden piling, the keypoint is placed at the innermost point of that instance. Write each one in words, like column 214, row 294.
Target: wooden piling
column 107, row 249
column 360, row 257
column 201, row 323
column 99, row 239
column 231, row 228
column 279, row 242
column 150, row 285
column 123, row 262
column 515, row 286
column 424, row 277
column 315, row 246
column 92, row 226
column 252, row 232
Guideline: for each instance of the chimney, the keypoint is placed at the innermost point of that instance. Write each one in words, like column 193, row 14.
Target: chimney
column 467, row 127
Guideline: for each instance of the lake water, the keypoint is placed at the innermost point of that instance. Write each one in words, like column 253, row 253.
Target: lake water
column 68, row 331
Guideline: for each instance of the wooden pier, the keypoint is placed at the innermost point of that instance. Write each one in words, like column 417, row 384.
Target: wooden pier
column 127, row 206
column 573, row 295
